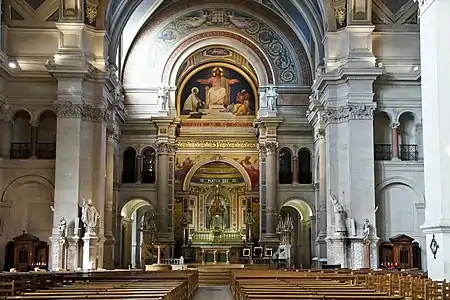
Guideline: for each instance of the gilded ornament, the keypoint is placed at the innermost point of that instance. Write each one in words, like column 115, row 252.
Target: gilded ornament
column 91, row 11
column 340, row 11
column 216, row 144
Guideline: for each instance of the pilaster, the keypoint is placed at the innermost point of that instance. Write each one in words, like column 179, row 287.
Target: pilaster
column 342, row 108
column 5, row 129
column 435, row 49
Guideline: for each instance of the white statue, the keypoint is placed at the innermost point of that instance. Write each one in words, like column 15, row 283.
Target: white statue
column 62, row 227
column 163, row 97
column 338, row 215
column 366, row 229
column 89, row 216
column 271, row 98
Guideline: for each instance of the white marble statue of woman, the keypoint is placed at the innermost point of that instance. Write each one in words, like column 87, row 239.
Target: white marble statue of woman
column 62, row 227
column 89, row 216
column 338, row 215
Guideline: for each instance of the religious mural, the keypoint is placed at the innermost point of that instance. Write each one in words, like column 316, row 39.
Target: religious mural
column 271, row 41
column 217, row 92
column 184, row 163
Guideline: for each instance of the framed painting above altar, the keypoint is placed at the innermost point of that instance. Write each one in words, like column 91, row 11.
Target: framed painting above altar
column 217, row 91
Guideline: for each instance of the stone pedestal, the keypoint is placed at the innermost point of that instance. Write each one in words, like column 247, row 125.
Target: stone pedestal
column 90, row 251
column 72, row 262
column 336, row 252
column 58, row 253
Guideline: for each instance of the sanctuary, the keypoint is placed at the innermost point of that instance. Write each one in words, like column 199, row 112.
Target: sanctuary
column 223, row 131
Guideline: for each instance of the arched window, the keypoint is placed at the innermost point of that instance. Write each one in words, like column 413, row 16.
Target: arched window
column 129, row 166
column 285, row 167
column 46, row 136
column 304, row 167
column 407, row 137
column 148, row 165
column 21, row 135
column 382, row 132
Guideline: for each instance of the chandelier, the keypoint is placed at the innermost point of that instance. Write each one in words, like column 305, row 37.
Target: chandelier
column 284, row 229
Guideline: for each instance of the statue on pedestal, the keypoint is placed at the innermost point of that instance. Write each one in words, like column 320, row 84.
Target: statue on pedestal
column 62, row 228
column 339, row 213
column 89, row 216
column 271, row 98
column 366, row 229
column 163, row 97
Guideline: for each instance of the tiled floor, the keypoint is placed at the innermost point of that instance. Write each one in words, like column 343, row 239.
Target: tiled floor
column 213, row 293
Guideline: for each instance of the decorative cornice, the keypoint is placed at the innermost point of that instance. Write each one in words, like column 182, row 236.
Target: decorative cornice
column 166, row 148
column 350, row 111
column 216, row 144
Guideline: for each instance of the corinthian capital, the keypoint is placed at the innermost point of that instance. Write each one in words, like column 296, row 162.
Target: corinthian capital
column 271, row 147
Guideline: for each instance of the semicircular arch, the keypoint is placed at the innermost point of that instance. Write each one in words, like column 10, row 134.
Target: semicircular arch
column 7, row 196
column 303, row 207
column 420, row 197
column 132, row 204
column 198, row 165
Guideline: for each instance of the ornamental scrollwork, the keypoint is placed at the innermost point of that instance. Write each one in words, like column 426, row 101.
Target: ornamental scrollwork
column 351, row 111
column 5, row 112
column 261, row 149
column 166, row 147
column 68, row 109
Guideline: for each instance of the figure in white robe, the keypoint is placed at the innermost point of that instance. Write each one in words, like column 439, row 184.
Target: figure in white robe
column 192, row 102
column 217, row 92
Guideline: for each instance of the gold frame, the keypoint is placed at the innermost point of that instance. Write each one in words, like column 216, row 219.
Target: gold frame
column 217, row 64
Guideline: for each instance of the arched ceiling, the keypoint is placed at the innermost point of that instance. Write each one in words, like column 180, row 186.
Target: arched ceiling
column 301, row 23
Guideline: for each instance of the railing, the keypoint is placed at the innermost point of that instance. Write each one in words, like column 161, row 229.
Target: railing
column 409, row 152
column 383, row 151
column 208, row 236
column 171, row 261
column 20, row 151
column 46, row 150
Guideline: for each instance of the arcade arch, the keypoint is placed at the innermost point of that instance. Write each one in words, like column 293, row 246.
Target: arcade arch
column 132, row 214
column 301, row 236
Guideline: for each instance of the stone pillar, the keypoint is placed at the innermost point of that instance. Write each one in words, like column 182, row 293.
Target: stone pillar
column 71, row 10
column 295, row 169
column 271, row 189
column 90, row 251
column 162, row 185
column 395, row 145
column 434, row 24
column 268, row 156
column 34, row 139
column 322, row 203
column 419, row 140
column 139, row 168
column 6, row 130
column 166, row 149
column 108, row 262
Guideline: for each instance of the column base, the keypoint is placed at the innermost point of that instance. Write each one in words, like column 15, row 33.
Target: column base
column 336, row 254
column 109, row 252
column 437, row 240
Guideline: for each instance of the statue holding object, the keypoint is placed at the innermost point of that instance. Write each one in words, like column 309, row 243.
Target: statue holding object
column 339, row 215
column 89, row 216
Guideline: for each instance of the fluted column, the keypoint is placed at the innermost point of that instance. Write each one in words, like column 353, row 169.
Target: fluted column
column 395, row 146
column 271, row 189
column 321, row 220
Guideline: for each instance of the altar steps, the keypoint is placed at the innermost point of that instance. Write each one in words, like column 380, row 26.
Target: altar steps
column 214, row 276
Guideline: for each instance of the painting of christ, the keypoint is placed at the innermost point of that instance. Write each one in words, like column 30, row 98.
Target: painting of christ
column 217, row 92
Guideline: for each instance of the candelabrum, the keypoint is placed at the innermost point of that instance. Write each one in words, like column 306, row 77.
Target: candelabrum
column 150, row 235
column 185, row 222
column 248, row 223
column 284, row 229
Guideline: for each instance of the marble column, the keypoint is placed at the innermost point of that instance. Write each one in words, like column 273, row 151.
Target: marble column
column 435, row 51
column 138, row 169
column 395, row 145
column 295, row 169
column 271, row 189
column 6, row 130
column 109, row 201
column 34, row 139
column 162, row 185
column 322, row 203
